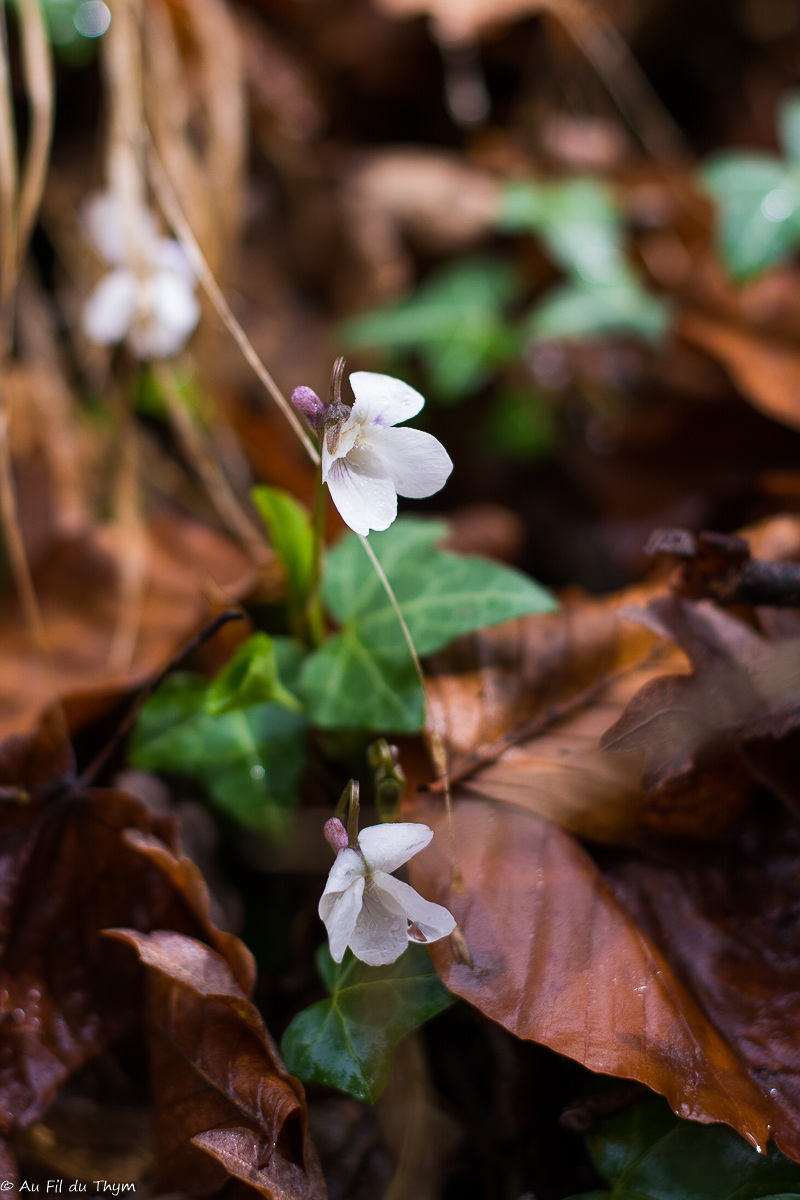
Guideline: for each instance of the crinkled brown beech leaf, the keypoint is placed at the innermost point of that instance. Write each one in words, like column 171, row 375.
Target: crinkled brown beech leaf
column 523, row 707
column 558, row 958
column 189, row 569
column 74, row 862
column 744, row 691
column 224, row 1105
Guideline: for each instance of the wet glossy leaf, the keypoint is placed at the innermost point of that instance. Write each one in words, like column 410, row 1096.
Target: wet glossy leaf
column 743, row 687
column 289, row 528
column 349, row 1041
column 789, row 125
column 441, row 596
column 213, row 1066
column 454, row 321
column 253, row 676
column 66, row 991
column 646, row 1152
column 558, row 959
column 250, row 760
column 758, row 205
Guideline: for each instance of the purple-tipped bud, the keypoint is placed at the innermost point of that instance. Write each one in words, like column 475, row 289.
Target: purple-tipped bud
column 307, row 403
column 336, row 834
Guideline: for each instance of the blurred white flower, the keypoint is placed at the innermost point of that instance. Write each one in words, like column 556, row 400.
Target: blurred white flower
column 153, row 307
column 366, row 908
column 367, row 463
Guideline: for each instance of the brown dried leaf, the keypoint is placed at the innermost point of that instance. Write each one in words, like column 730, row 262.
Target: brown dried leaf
column 726, row 920
column 765, row 372
column 559, row 960
column 74, row 863
column 190, row 570
column 743, row 688
column 66, row 873
column 220, row 1088
column 524, row 714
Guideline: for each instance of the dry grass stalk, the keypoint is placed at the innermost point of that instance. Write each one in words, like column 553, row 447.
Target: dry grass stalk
column 132, row 551
column 54, row 405
column 18, row 207
column 200, row 454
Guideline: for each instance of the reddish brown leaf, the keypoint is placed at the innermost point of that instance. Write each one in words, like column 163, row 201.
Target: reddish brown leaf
column 767, row 373
column 559, row 960
column 190, row 569
column 743, row 688
column 75, row 862
column 524, row 707
column 726, row 919
column 214, row 1069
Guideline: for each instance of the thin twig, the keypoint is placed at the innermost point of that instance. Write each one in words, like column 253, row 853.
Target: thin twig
column 125, row 726
column 165, row 194
column 196, row 449
column 438, row 748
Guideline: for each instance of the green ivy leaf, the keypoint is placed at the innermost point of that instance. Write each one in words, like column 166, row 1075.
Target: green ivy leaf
column 348, row 685
column 578, row 221
column 348, row 1042
column 582, row 229
column 758, row 205
column 250, row 761
column 579, row 310
column 789, row 126
column 647, row 1153
column 454, row 321
column 365, row 677
column 252, row 677
column 291, row 534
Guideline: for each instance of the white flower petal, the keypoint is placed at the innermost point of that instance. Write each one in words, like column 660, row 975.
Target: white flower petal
column 432, row 920
column 349, row 865
column 171, row 256
column 171, row 313
column 103, row 219
column 387, row 847
column 362, row 492
column 341, row 911
column 383, row 400
column 381, row 931
column 417, row 462
column 111, row 307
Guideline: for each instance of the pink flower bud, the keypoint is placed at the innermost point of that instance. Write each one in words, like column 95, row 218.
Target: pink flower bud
column 336, row 834
column 307, row 403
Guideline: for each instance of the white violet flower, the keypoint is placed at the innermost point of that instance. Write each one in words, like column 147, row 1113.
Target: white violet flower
column 366, row 461
column 154, row 309
column 365, row 907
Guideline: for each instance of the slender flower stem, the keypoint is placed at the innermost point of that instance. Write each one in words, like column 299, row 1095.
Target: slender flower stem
column 165, row 194
column 438, row 748
column 314, row 615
